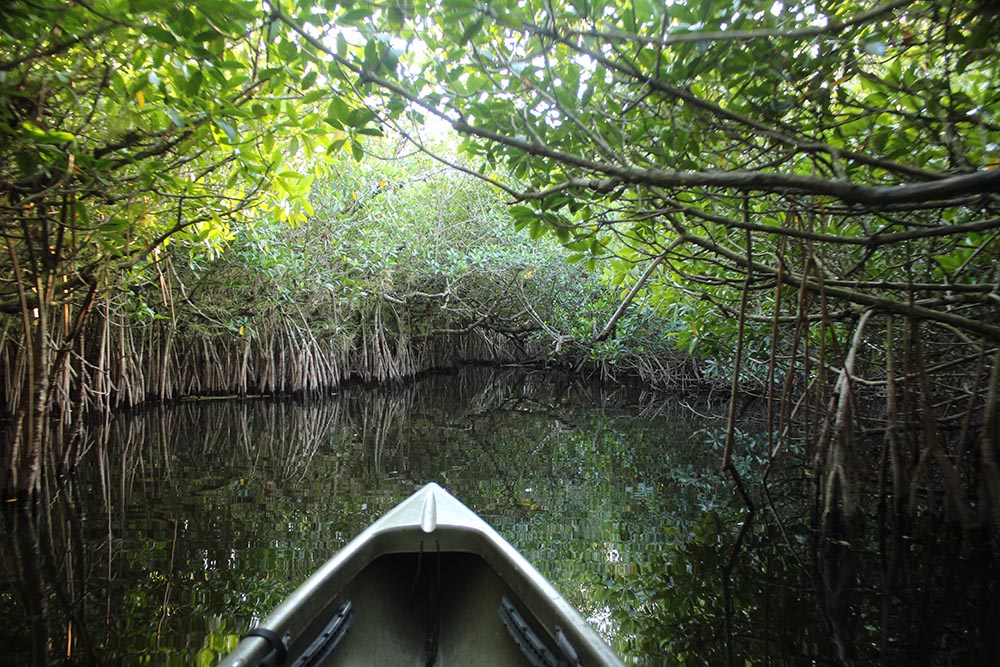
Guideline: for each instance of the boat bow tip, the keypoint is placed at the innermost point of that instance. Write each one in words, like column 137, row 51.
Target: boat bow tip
column 428, row 515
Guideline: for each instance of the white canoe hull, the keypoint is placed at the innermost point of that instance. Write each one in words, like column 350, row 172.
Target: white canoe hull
column 430, row 583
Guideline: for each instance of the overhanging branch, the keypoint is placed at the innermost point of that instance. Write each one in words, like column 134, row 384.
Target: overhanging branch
column 990, row 332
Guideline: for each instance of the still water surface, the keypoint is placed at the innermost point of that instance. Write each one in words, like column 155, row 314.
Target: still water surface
column 187, row 524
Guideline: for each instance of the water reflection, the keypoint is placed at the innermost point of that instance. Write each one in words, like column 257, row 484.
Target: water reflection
column 185, row 525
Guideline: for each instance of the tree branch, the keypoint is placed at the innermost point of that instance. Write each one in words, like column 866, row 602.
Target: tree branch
column 879, row 303
column 609, row 328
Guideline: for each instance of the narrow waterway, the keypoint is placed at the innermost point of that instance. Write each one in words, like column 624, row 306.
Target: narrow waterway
column 194, row 520
column 187, row 524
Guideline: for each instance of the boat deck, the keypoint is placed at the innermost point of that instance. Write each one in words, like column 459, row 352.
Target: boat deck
column 420, row 609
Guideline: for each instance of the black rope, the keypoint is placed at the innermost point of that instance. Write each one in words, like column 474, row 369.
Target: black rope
column 433, row 620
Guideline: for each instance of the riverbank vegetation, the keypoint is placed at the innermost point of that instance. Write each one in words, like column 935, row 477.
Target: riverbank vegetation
column 798, row 199
column 402, row 266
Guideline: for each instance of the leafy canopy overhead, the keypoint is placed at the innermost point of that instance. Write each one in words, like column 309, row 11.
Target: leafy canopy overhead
column 125, row 125
column 815, row 142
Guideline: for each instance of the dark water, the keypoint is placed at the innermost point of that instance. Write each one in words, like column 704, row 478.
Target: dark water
column 186, row 525
column 195, row 520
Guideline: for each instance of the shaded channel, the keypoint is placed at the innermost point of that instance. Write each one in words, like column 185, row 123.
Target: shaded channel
column 186, row 524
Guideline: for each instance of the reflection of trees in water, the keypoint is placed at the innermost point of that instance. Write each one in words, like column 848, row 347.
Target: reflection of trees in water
column 791, row 593
column 100, row 554
column 178, row 517
column 45, row 568
column 171, row 508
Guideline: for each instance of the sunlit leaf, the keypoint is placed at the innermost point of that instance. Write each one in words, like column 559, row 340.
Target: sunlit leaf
column 227, row 128
column 176, row 117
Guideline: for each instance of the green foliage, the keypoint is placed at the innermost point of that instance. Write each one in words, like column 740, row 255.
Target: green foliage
column 160, row 123
column 423, row 247
column 126, row 127
column 836, row 148
column 736, row 143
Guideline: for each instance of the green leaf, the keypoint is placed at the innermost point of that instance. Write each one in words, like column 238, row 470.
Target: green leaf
column 159, row 34
column 470, row 30
column 47, row 136
column 396, row 18
column 269, row 73
column 536, row 229
column 288, row 51
column 354, row 17
column 273, row 29
column 204, row 658
column 193, row 85
column 371, row 56
column 114, row 225
column 227, row 128
column 176, row 118
column 337, row 112
column 521, row 212
column 360, row 117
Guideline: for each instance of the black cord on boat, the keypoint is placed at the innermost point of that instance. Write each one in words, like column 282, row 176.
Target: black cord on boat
column 434, row 620
column 429, row 603
column 416, row 577
column 327, row 641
